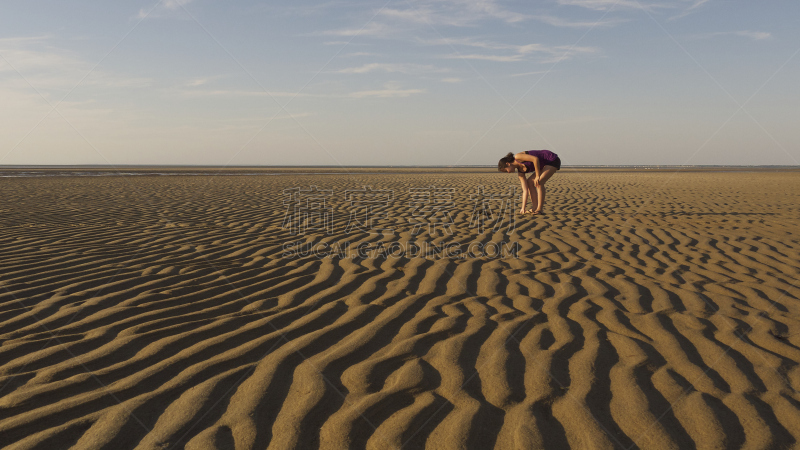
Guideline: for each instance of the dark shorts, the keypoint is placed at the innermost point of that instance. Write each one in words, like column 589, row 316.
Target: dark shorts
column 556, row 163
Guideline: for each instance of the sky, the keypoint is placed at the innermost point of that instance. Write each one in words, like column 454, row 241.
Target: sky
column 399, row 82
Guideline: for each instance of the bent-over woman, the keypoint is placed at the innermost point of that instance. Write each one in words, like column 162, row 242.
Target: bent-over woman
column 540, row 165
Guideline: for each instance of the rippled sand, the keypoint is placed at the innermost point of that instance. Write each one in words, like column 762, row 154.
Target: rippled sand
column 657, row 310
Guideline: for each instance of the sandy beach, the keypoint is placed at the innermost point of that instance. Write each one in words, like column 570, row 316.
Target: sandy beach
column 406, row 308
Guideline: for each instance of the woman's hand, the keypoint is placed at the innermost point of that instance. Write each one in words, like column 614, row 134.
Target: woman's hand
column 536, row 181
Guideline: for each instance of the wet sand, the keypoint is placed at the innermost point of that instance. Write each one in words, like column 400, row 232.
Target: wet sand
column 651, row 309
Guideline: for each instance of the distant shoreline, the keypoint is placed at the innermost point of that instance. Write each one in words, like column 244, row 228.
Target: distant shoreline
column 92, row 171
column 489, row 166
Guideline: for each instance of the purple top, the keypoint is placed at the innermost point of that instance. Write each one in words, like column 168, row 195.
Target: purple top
column 546, row 157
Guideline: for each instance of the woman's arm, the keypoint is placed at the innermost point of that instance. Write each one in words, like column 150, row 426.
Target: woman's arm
column 537, row 166
column 522, row 156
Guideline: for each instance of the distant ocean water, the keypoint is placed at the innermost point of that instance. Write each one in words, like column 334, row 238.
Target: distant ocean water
column 111, row 173
column 100, row 171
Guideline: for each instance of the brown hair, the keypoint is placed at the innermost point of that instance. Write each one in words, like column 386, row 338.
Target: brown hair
column 504, row 161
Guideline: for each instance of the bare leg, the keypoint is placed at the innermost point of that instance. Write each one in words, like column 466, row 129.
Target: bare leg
column 531, row 189
column 540, row 191
column 547, row 172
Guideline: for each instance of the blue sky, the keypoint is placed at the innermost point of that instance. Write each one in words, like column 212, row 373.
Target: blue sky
column 403, row 82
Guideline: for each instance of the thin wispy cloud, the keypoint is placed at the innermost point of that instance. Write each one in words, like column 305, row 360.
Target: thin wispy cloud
column 490, row 45
column 603, row 5
column 197, row 82
column 493, row 9
column 391, row 67
column 485, row 9
column 454, row 12
column 16, row 41
column 424, row 17
column 538, row 123
column 427, row 16
column 525, row 74
column 754, row 35
column 46, row 67
column 175, row 4
column 241, row 93
column 358, row 54
column 695, row 6
column 512, row 52
column 260, row 120
column 202, row 81
column 559, row 22
column 26, row 60
column 36, row 75
column 287, row 9
column 385, row 93
column 389, row 90
column 684, row 7
column 371, row 29
column 163, row 9
column 486, row 57
column 400, row 19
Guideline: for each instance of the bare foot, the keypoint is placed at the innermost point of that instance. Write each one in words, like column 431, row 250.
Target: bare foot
column 537, row 212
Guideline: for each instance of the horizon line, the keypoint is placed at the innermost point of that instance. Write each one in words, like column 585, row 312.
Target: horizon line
column 201, row 166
